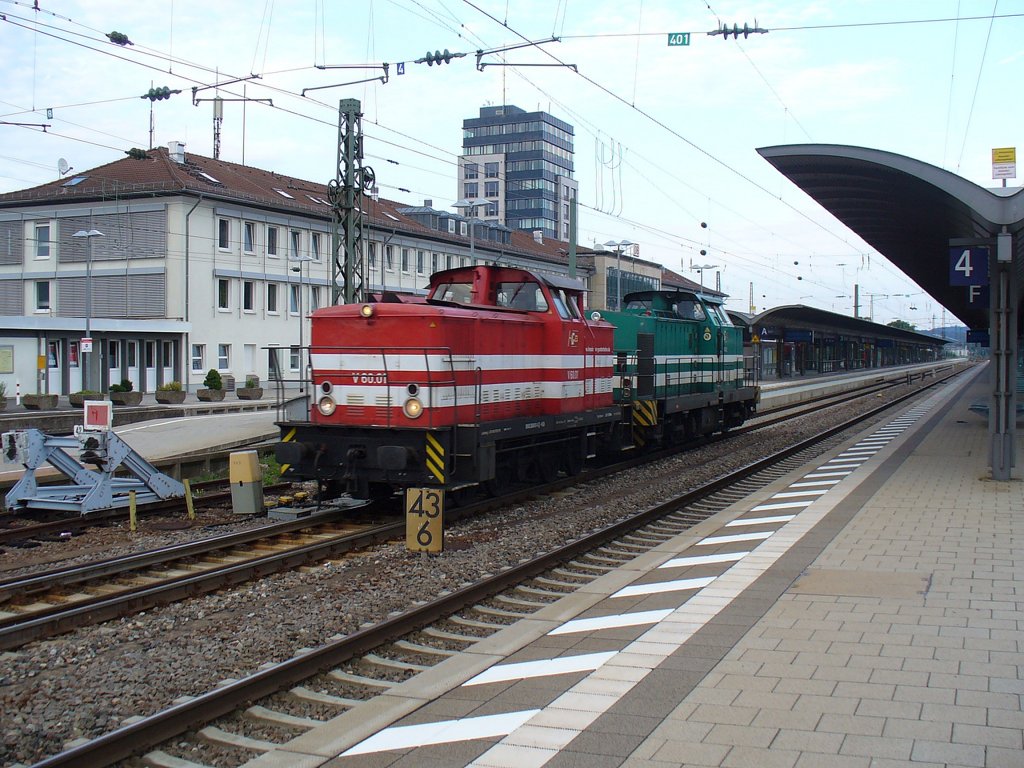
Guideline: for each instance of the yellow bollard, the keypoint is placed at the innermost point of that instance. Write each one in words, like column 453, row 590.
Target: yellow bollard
column 188, row 500
column 133, row 522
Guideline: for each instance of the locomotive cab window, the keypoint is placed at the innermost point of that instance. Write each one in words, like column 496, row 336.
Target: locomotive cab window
column 460, row 293
column 565, row 304
column 689, row 309
column 526, row 296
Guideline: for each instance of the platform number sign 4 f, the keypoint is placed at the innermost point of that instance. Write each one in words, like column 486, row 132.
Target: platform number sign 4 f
column 424, row 520
column 968, row 266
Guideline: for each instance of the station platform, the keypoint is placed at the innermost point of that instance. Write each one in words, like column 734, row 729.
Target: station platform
column 862, row 611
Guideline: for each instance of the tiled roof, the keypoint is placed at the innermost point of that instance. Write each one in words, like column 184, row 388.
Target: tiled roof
column 158, row 174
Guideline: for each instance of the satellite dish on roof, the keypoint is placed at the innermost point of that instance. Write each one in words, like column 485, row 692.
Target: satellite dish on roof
column 62, row 166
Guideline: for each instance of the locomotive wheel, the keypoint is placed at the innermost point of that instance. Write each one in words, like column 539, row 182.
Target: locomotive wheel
column 502, row 480
column 573, row 462
column 547, row 465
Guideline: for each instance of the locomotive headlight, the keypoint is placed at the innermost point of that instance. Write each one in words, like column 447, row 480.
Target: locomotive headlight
column 412, row 408
column 366, row 311
column 326, row 405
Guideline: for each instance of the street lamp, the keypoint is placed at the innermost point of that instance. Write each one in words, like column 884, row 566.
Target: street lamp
column 471, row 205
column 700, row 270
column 87, row 340
column 618, row 246
column 302, row 262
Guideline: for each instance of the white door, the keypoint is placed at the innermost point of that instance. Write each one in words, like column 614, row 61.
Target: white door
column 150, row 363
column 74, row 368
column 54, row 366
column 167, row 360
column 131, row 350
column 113, row 363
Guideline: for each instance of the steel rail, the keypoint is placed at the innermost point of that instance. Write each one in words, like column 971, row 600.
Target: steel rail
column 150, row 731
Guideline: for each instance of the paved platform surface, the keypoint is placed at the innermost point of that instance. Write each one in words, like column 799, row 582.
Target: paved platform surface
column 865, row 611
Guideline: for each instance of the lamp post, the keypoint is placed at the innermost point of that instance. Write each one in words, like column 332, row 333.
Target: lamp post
column 700, row 270
column 618, row 246
column 87, row 340
column 461, row 206
column 302, row 262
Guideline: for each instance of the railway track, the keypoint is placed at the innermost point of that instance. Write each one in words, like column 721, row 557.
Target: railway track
column 57, row 601
column 365, row 663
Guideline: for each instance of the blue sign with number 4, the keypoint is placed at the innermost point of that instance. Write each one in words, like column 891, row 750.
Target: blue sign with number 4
column 968, row 266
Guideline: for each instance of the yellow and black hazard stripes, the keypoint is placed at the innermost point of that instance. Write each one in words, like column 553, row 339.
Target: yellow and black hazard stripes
column 435, row 457
column 286, row 439
column 645, row 418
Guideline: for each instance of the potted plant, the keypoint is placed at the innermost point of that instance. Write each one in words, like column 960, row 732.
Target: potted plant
column 214, row 387
column 77, row 399
column 170, row 393
column 252, row 389
column 39, row 402
column 122, row 394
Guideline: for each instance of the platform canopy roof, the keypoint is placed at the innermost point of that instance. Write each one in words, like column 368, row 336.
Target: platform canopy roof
column 906, row 210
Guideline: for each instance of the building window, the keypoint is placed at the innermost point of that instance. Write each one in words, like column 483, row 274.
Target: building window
column 249, row 296
column 419, row 262
column 389, row 259
column 314, row 245
column 294, row 298
column 294, row 358
column 371, row 255
column 198, row 357
column 272, row 298
column 223, row 234
column 491, row 170
column 472, row 170
column 42, row 241
column 223, row 293
column 250, row 237
column 492, row 208
column 448, row 261
column 451, row 225
column 42, row 296
column 167, row 354
column 405, row 261
column 271, row 241
column 314, row 297
column 463, row 230
column 490, row 189
column 471, row 190
column 296, row 243
column 223, row 357
column 114, row 354
column 433, row 262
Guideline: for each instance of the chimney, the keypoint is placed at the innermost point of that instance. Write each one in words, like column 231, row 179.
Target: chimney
column 176, row 150
column 428, row 203
column 538, row 236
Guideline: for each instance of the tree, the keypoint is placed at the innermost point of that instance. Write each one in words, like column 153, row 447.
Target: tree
column 903, row 325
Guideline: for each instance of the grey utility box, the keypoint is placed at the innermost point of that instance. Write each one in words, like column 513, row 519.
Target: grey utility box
column 246, row 483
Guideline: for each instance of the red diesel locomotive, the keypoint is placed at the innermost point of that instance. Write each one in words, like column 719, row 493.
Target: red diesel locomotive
column 496, row 376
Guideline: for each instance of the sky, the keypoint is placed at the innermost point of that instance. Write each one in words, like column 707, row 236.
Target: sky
column 665, row 136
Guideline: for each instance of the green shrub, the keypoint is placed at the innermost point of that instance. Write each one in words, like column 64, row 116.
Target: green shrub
column 251, row 382
column 125, row 386
column 170, row 386
column 90, row 394
column 213, row 380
